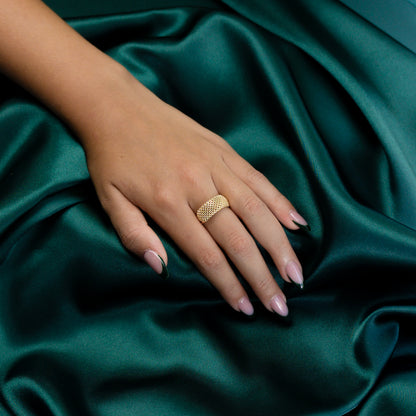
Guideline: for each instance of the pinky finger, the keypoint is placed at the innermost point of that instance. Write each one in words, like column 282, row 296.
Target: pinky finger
column 278, row 204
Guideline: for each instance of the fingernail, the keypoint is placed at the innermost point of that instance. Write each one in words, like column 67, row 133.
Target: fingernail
column 156, row 263
column 294, row 273
column 245, row 306
column 298, row 220
column 279, row 306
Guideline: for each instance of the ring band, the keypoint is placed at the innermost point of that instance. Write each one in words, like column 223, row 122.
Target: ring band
column 211, row 207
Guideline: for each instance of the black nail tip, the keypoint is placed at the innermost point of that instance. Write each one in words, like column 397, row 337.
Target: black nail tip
column 250, row 317
column 280, row 316
column 302, row 227
column 298, row 285
column 165, row 271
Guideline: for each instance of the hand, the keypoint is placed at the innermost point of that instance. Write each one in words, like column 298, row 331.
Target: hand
column 146, row 156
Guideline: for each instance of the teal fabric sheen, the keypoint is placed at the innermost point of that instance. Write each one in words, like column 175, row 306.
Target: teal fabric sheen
column 80, row 8
column 395, row 17
column 323, row 103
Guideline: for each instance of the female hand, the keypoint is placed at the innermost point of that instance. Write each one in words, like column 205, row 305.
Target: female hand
column 145, row 156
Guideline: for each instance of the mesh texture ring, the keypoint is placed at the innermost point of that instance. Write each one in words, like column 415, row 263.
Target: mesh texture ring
column 211, row 207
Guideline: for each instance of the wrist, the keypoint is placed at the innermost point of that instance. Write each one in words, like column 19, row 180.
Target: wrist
column 109, row 99
column 85, row 99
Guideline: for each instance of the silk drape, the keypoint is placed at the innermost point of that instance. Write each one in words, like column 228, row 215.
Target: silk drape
column 324, row 104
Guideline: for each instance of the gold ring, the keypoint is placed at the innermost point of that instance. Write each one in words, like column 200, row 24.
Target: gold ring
column 211, row 207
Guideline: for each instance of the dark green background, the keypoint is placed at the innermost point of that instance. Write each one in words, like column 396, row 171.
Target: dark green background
column 318, row 99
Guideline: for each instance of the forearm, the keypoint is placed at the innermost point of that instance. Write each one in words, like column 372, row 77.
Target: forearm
column 51, row 60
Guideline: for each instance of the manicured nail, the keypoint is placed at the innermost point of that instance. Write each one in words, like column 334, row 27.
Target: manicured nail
column 245, row 306
column 298, row 220
column 156, row 263
column 279, row 306
column 294, row 273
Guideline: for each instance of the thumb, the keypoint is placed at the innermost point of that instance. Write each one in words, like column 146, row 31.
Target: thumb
column 134, row 232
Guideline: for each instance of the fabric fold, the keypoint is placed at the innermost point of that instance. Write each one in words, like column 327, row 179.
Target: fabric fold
column 315, row 97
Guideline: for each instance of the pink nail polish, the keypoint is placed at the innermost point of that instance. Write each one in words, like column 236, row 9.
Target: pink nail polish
column 294, row 273
column 245, row 306
column 153, row 260
column 279, row 306
column 299, row 220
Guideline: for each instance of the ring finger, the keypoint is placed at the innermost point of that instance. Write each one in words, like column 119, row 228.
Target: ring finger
column 230, row 234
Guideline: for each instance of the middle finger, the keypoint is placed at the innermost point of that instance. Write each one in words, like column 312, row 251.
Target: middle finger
column 230, row 234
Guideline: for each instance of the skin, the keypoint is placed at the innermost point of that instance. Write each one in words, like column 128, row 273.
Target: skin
column 126, row 132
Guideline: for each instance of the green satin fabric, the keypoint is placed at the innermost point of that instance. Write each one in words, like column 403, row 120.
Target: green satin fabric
column 319, row 100
column 395, row 17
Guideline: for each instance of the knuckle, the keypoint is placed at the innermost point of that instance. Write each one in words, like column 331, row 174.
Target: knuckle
column 252, row 205
column 254, row 176
column 131, row 236
column 210, row 260
column 188, row 174
column 231, row 291
column 264, row 283
column 164, row 198
column 239, row 244
column 280, row 200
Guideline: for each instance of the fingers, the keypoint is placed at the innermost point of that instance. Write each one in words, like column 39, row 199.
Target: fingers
column 191, row 236
column 263, row 225
column 228, row 232
column 223, row 235
column 204, row 252
column 134, row 232
column 278, row 204
column 240, row 247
